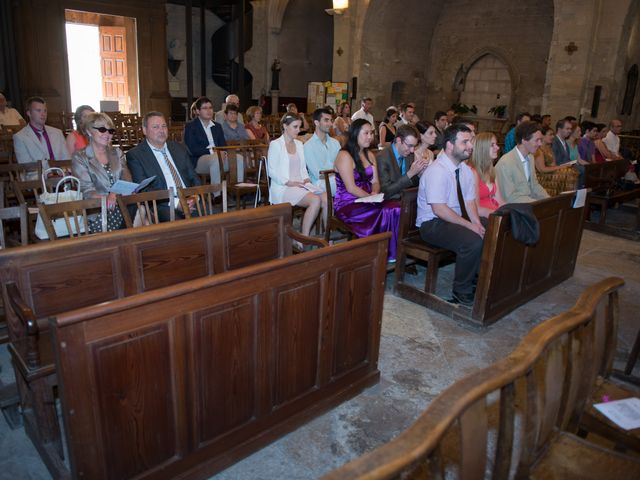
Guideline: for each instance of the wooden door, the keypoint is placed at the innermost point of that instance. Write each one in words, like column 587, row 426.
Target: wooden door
column 113, row 58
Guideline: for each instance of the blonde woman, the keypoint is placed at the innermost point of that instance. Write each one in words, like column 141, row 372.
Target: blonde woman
column 99, row 166
column 485, row 153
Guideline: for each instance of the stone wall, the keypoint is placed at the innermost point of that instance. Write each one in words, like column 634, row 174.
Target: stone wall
column 305, row 46
column 395, row 46
column 518, row 33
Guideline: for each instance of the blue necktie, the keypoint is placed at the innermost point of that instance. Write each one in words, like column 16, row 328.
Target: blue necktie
column 402, row 165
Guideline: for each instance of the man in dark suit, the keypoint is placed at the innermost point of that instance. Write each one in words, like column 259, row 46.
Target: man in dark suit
column 201, row 135
column 559, row 146
column 397, row 168
column 169, row 161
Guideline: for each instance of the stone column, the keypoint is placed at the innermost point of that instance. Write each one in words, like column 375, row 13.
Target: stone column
column 275, row 99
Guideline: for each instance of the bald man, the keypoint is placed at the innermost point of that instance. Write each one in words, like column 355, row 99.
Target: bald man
column 230, row 100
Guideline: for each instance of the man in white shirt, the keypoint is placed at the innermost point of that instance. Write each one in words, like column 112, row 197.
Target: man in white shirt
column 365, row 107
column 447, row 214
column 321, row 150
column 230, row 100
column 8, row 115
column 407, row 114
column 516, row 171
column 612, row 140
column 38, row 141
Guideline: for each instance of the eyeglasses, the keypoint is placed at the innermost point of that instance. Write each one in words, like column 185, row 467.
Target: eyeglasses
column 105, row 129
column 410, row 145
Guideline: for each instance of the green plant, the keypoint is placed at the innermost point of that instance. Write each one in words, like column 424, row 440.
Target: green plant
column 461, row 108
column 498, row 110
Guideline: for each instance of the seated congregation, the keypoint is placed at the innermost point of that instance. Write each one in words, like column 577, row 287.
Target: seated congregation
column 194, row 275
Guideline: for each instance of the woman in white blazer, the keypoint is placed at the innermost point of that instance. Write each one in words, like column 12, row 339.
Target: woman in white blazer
column 289, row 177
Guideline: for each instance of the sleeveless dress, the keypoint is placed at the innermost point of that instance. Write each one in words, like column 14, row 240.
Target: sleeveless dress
column 487, row 195
column 388, row 134
column 367, row 218
column 80, row 141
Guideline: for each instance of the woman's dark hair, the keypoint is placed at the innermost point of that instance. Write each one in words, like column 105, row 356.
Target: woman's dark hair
column 545, row 130
column 352, row 145
column 423, row 126
column 77, row 116
column 387, row 115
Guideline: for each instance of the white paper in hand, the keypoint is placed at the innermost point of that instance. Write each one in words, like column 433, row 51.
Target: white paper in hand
column 581, row 196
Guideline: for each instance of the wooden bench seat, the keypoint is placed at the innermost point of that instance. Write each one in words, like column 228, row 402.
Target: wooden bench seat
column 517, row 417
column 511, row 273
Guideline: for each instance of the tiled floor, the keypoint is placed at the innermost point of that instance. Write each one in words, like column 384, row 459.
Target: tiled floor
column 421, row 353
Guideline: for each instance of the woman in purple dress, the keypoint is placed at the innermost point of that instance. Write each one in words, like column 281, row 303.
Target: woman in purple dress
column 358, row 177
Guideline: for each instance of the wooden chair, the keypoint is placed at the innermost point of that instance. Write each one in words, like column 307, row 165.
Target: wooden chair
column 203, row 196
column 255, row 174
column 64, row 165
column 14, row 213
column 514, row 418
column 411, row 245
column 75, row 215
column 333, row 222
column 147, row 207
column 20, row 171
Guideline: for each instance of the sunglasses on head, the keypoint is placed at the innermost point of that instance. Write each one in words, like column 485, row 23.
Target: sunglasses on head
column 105, row 129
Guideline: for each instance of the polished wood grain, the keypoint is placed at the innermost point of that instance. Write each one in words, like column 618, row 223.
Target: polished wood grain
column 537, row 390
column 186, row 379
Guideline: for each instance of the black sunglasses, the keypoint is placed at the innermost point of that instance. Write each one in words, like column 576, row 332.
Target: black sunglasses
column 105, row 129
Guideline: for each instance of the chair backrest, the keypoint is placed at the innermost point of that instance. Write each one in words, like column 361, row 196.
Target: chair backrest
column 20, row 171
column 326, row 174
column 502, row 417
column 408, row 212
column 73, row 217
column 64, row 165
column 14, row 213
column 147, row 206
column 202, row 197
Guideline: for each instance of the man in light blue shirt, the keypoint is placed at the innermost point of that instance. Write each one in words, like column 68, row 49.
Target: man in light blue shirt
column 510, row 138
column 320, row 151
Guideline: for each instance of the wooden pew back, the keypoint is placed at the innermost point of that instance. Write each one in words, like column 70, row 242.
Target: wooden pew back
column 520, row 402
column 600, row 177
column 56, row 277
column 189, row 378
column 512, row 273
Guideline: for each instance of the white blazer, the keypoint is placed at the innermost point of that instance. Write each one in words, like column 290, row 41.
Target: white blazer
column 29, row 148
column 278, row 167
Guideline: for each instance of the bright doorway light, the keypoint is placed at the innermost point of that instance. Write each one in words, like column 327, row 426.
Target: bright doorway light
column 85, row 76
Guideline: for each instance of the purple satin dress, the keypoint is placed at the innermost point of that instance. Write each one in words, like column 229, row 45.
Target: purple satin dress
column 367, row 218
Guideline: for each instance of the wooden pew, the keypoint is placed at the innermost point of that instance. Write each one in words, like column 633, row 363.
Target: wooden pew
column 184, row 380
column 605, row 181
column 511, row 273
column 515, row 418
column 46, row 279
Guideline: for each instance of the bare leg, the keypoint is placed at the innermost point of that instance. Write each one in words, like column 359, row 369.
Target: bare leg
column 312, row 204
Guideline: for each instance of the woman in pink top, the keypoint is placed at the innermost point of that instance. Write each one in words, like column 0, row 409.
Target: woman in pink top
column 485, row 153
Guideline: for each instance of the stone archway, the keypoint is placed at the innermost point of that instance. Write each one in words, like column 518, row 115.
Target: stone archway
column 488, row 84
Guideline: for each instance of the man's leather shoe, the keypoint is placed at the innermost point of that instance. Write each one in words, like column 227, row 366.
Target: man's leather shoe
column 462, row 299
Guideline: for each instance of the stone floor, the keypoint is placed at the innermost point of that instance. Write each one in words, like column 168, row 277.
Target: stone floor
column 421, row 353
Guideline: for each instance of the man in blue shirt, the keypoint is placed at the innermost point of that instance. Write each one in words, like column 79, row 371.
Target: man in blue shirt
column 510, row 138
column 321, row 150
column 397, row 167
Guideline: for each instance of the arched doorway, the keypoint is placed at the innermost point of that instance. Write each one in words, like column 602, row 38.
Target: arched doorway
column 487, row 85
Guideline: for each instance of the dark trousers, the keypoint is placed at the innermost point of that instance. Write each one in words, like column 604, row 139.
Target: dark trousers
column 466, row 244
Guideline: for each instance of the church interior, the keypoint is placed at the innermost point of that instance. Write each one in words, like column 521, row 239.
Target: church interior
column 229, row 320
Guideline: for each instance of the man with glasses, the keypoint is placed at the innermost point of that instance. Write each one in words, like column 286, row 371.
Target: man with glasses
column 397, row 167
